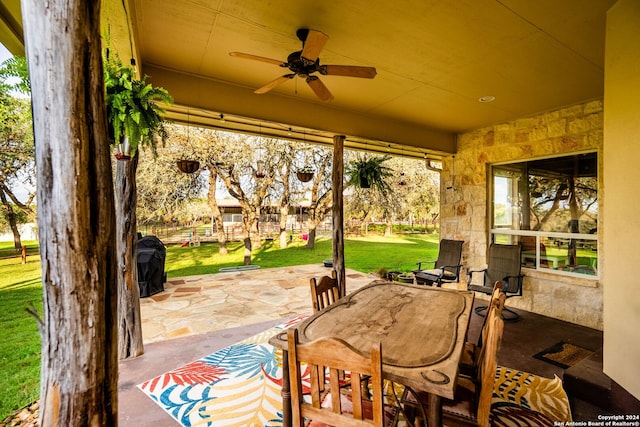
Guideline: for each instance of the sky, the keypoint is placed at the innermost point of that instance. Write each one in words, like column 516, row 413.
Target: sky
column 4, row 53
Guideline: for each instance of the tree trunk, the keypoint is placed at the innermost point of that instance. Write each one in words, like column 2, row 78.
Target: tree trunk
column 311, row 242
column 129, row 319
column 79, row 366
column 284, row 214
column 254, row 230
column 215, row 210
column 388, row 229
column 284, row 237
column 247, row 250
column 11, row 218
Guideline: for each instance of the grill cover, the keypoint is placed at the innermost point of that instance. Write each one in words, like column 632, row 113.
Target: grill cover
column 151, row 255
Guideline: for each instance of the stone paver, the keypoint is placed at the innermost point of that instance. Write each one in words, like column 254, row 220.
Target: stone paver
column 200, row 304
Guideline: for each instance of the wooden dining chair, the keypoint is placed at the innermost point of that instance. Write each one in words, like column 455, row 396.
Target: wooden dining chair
column 471, row 405
column 324, row 292
column 331, row 405
column 471, row 352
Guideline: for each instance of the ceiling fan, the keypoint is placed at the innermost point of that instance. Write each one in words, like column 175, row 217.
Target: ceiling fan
column 305, row 62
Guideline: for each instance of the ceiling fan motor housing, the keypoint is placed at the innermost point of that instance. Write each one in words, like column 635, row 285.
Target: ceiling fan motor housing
column 301, row 66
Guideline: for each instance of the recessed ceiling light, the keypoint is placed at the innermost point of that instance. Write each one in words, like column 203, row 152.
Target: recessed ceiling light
column 488, row 98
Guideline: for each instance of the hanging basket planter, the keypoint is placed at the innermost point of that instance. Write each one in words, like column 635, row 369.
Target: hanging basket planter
column 188, row 166
column 304, row 176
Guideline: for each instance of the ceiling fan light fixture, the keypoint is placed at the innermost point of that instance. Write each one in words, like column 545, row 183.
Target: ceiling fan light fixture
column 487, row 98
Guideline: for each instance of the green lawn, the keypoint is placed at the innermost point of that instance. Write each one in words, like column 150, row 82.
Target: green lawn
column 20, row 288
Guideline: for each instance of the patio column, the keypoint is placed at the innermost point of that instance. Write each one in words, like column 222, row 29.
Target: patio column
column 337, row 211
column 76, row 215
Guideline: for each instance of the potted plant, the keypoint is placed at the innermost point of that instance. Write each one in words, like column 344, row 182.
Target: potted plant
column 133, row 114
column 369, row 171
column 305, row 174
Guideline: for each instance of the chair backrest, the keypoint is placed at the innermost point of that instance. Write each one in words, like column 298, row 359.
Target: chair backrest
column 503, row 261
column 338, row 356
column 487, row 368
column 324, row 292
column 450, row 254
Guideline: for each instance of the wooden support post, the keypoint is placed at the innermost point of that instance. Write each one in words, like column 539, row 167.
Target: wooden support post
column 24, row 254
column 337, row 211
column 76, row 215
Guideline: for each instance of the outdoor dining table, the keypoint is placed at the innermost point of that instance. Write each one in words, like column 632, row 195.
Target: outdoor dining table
column 422, row 330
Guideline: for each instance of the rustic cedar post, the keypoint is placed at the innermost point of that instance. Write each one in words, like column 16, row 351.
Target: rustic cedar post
column 129, row 319
column 79, row 369
column 338, row 228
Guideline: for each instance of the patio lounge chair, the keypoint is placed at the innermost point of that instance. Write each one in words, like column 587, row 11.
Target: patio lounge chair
column 503, row 264
column 446, row 267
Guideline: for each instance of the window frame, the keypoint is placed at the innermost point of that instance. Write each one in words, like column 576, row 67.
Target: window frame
column 514, row 235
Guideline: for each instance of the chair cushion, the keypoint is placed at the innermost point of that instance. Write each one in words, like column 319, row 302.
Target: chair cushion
column 532, row 392
column 514, row 416
column 479, row 288
column 463, row 406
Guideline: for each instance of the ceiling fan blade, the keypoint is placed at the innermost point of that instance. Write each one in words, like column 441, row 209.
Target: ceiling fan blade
column 319, row 88
column 258, row 58
column 313, row 45
column 348, row 71
column 273, row 83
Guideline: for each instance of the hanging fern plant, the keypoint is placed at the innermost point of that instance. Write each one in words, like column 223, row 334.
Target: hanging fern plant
column 133, row 113
column 369, row 172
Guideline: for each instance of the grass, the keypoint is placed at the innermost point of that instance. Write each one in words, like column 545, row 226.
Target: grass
column 365, row 254
column 21, row 288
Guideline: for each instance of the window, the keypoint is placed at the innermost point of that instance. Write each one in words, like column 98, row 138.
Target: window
column 550, row 207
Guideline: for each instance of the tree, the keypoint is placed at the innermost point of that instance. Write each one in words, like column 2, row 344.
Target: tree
column 321, row 195
column 198, row 141
column 419, row 199
column 16, row 146
column 163, row 190
column 234, row 158
column 283, row 189
column 79, row 367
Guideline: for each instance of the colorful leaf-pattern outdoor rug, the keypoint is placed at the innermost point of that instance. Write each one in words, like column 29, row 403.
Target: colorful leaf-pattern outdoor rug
column 236, row 386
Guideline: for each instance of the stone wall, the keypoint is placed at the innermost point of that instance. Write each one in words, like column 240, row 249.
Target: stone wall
column 464, row 205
